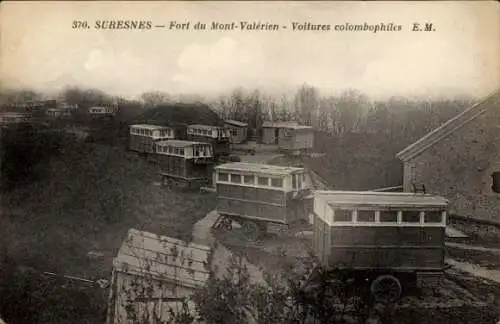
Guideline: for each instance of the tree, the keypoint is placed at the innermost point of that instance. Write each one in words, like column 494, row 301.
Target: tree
column 153, row 98
column 307, row 104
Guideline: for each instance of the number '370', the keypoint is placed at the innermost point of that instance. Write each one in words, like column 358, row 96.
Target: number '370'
column 79, row 24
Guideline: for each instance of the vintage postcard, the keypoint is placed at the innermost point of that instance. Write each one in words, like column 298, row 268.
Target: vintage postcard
column 249, row 162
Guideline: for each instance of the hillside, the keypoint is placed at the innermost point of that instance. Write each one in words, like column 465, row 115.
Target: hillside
column 179, row 114
column 86, row 200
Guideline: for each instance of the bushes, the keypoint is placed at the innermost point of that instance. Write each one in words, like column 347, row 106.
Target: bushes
column 25, row 148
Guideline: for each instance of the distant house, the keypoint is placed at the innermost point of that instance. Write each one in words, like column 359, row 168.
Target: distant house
column 289, row 136
column 102, row 111
column 270, row 131
column 152, row 274
column 238, row 131
column 460, row 160
column 32, row 107
column 58, row 112
column 296, row 138
column 7, row 118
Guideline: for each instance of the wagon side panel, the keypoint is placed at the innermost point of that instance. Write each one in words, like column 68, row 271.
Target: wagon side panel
column 387, row 247
column 251, row 202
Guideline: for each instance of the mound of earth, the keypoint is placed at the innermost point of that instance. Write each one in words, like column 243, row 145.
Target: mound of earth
column 179, row 114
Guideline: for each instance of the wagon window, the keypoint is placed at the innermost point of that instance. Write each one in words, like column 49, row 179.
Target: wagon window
column 249, row 179
column 433, row 216
column 387, row 216
column 223, row 176
column 411, row 216
column 366, row 216
column 235, row 178
column 277, row 182
column 342, row 215
column 263, row 181
column 181, row 151
column 294, row 181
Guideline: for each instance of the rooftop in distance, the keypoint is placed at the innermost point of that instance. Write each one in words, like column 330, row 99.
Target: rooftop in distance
column 148, row 126
column 235, row 123
column 257, row 167
column 209, row 127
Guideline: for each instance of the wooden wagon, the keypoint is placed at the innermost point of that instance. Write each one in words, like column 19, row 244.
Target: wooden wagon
column 142, row 138
column 391, row 240
column 184, row 163
column 257, row 195
column 218, row 136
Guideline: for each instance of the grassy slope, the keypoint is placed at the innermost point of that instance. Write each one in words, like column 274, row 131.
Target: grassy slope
column 92, row 195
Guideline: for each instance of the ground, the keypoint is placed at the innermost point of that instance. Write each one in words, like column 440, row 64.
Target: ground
column 94, row 193
column 91, row 196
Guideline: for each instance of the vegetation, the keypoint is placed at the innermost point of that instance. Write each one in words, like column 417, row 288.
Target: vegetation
column 67, row 197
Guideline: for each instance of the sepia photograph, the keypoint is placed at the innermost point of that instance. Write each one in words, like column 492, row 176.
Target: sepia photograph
column 260, row 162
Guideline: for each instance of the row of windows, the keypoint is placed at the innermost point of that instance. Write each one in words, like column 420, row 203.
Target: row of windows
column 171, row 150
column 99, row 110
column 198, row 131
column 388, row 216
column 149, row 132
column 250, row 180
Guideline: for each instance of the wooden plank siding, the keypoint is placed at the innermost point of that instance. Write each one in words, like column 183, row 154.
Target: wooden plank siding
column 252, row 202
column 387, row 247
column 143, row 144
column 178, row 166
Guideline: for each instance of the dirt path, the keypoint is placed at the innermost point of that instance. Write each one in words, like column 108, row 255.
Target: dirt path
column 472, row 247
column 475, row 270
column 202, row 235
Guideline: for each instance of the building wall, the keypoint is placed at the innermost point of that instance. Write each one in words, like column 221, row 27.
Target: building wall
column 241, row 134
column 126, row 289
column 268, row 135
column 459, row 167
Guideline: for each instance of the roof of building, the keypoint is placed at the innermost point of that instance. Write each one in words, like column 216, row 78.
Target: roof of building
column 258, row 168
column 450, row 127
column 180, row 143
column 279, row 124
column 236, row 123
column 372, row 198
column 208, row 127
column 148, row 126
column 163, row 258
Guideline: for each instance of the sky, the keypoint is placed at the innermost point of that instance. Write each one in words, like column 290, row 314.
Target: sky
column 40, row 50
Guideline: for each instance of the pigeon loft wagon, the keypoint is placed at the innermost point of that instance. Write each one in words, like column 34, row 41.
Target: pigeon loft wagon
column 218, row 136
column 390, row 240
column 184, row 163
column 143, row 137
column 257, row 195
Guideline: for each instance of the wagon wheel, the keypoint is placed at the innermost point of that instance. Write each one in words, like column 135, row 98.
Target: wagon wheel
column 386, row 289
column 227, row 224
column 251, row 230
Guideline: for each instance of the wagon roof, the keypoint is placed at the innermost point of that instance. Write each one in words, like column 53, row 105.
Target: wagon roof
column 372, row 198
column 236, row 123
column 203, row 126
column 279, row 124
column 180, row 143
column 149, row 126
column 164, row 258
column 258, row 168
